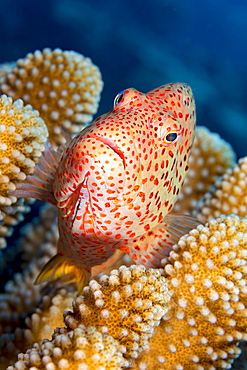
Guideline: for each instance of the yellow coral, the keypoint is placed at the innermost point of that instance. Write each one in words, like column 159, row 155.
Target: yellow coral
column 207, row 314
column 49, row 316
column 210, row 157
column 84, row 349
column 229, row 195
column 11, row 216
column 128, row 304
column 22, row 137
column 21, row 297
column 63, row 86
column 241, row 361
column 6, row 68
column 39, row 238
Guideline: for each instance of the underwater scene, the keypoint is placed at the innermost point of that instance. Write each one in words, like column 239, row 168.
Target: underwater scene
column 123, row 185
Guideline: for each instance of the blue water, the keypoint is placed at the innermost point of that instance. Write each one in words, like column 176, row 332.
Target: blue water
column 145, row 44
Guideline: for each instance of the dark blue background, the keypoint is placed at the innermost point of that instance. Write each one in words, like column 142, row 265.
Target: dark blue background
column 145, row 44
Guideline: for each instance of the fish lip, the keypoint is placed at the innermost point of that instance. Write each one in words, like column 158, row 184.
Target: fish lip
column 111, row 144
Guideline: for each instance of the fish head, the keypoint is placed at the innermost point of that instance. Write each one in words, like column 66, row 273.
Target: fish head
column 125, row 169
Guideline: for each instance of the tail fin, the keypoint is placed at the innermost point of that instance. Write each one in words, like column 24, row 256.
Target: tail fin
column 39, row 185
column 58, row 267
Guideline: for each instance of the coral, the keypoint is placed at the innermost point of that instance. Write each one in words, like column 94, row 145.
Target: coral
column 22, row 137
column 49, row 315
column 128, row 305
column 241, row 361
column 84, row 349
column 229, row 195
column 64, row 86
column 210, row 157
column 22, row 334
column 21, row 297
column 39, row 238
column 6, row 68
column 11, row 215
column 18, row 300
column 207, row 313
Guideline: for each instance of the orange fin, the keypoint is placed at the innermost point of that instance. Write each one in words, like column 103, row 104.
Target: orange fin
column 149, row 249
column 108, row 264
column 39, row 185
column 59, row 268
column 178, row 224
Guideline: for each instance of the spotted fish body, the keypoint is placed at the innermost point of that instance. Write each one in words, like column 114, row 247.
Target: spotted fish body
column 118, row 180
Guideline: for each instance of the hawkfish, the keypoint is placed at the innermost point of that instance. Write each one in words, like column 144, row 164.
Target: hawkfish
column 116, row 182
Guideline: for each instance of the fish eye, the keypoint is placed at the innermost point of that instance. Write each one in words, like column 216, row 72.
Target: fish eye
column 118, row 98
column 171, row 137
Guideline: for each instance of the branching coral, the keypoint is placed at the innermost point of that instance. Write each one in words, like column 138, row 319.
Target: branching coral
column 22, row 137
column 39, row 238
column 84, row 349
column 21, row 297
column 210, row 157
column 229, row 195
column 11, row 216
column 128, row 305
column 6, row 68
column 48, row 316
column 205, row 319
column 207, row 314
column 64, row 86
column 21, row 334
column 241, row 361
column 27, row 315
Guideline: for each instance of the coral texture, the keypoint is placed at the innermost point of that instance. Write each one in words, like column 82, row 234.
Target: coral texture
column 64, row 86
column 207, row 314
column 80, row 349
column 48, row 316
column 229, row 195
column 37, row 326
column 210, row 157
column 6, row 68
column 22, row 137
column 128, row 305
column 21, row 298
column 11, row 215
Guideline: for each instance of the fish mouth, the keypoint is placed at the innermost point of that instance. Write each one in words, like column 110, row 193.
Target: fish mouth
column 111, row 144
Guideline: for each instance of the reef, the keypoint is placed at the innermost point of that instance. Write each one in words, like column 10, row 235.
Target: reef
column 207, row 314
column 78, row 349
column 190, row 314
column 23, row 134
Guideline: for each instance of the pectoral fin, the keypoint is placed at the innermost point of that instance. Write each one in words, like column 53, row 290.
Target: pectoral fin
column 149, row 249
column 58, row 267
